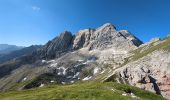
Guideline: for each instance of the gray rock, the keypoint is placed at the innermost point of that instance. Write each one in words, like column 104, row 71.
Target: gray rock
column 82, row 38
column 105, row 37
column 56, row 47
column 151, row 73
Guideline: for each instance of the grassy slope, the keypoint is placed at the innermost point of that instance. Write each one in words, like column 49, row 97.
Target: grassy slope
column 164, row 45
column 80, row 91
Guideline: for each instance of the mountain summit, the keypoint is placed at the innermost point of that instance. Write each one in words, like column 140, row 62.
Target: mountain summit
column 105, row 37
column 56, row 47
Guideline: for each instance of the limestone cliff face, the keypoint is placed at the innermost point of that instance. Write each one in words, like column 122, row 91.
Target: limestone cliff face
column 150, row 73
column 105, row 37
column 147, row 67
column 83, row 38
column 56, row 47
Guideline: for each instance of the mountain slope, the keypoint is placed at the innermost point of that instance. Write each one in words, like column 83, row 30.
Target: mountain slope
column 82, row 91
column 105, row 37
column 56, row 47
column 148, row 68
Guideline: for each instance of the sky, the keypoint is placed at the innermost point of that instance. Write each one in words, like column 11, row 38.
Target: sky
column 31, row 22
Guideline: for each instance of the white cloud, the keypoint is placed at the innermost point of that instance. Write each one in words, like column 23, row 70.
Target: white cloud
column 35, row 8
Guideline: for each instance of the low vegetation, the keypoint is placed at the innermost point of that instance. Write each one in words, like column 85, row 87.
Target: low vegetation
column 81, row 91
column 138, row 53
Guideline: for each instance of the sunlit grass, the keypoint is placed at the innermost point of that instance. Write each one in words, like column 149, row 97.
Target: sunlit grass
column 80, row 91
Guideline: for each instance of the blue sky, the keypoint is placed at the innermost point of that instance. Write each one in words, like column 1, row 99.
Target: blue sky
column 27, row 22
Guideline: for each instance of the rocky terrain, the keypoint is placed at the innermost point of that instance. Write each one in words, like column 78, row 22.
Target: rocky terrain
column 150, row 73
column 105, row 37
column 104, row 54
column 150, row 70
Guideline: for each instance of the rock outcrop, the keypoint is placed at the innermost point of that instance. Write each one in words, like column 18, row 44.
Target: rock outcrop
column 83, row 38
column 105, row 37
column 56, row 47
column 151, row 72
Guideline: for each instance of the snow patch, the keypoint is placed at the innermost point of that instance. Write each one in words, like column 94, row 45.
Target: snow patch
column 59, row 73
column 80, row 60
column 42, row 85
column 129, row 94
column 95, row 70
column 43, row 61
column 87, row 78
column 77, row 65
column 24, row 79
column 62, row 71
column 52, row 81
column 73, row 52
column 53, row 65
column 124, row 94
column 92, row 59
column 133, row 95
column 71, row 81
column 113, row 90
column 102, row 72
column 63, row 83
column 50, row 61
column 76, row 75
column 85, row 63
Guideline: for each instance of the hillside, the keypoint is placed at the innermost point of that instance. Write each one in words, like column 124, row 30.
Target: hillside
column 147, row 68
column 82, row 91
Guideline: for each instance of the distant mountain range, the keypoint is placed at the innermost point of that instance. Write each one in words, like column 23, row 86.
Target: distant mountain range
column 18, row 53
column 6, row 48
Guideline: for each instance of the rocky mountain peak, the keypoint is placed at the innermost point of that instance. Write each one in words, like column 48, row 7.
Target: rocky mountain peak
column 65, row 34
column 126, row 34
column 106, row 27
column 105, row 37
column 57, row 46
column 83, row 38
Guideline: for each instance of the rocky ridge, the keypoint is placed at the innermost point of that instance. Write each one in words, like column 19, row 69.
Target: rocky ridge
column 55, row 47
column 104, row 37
